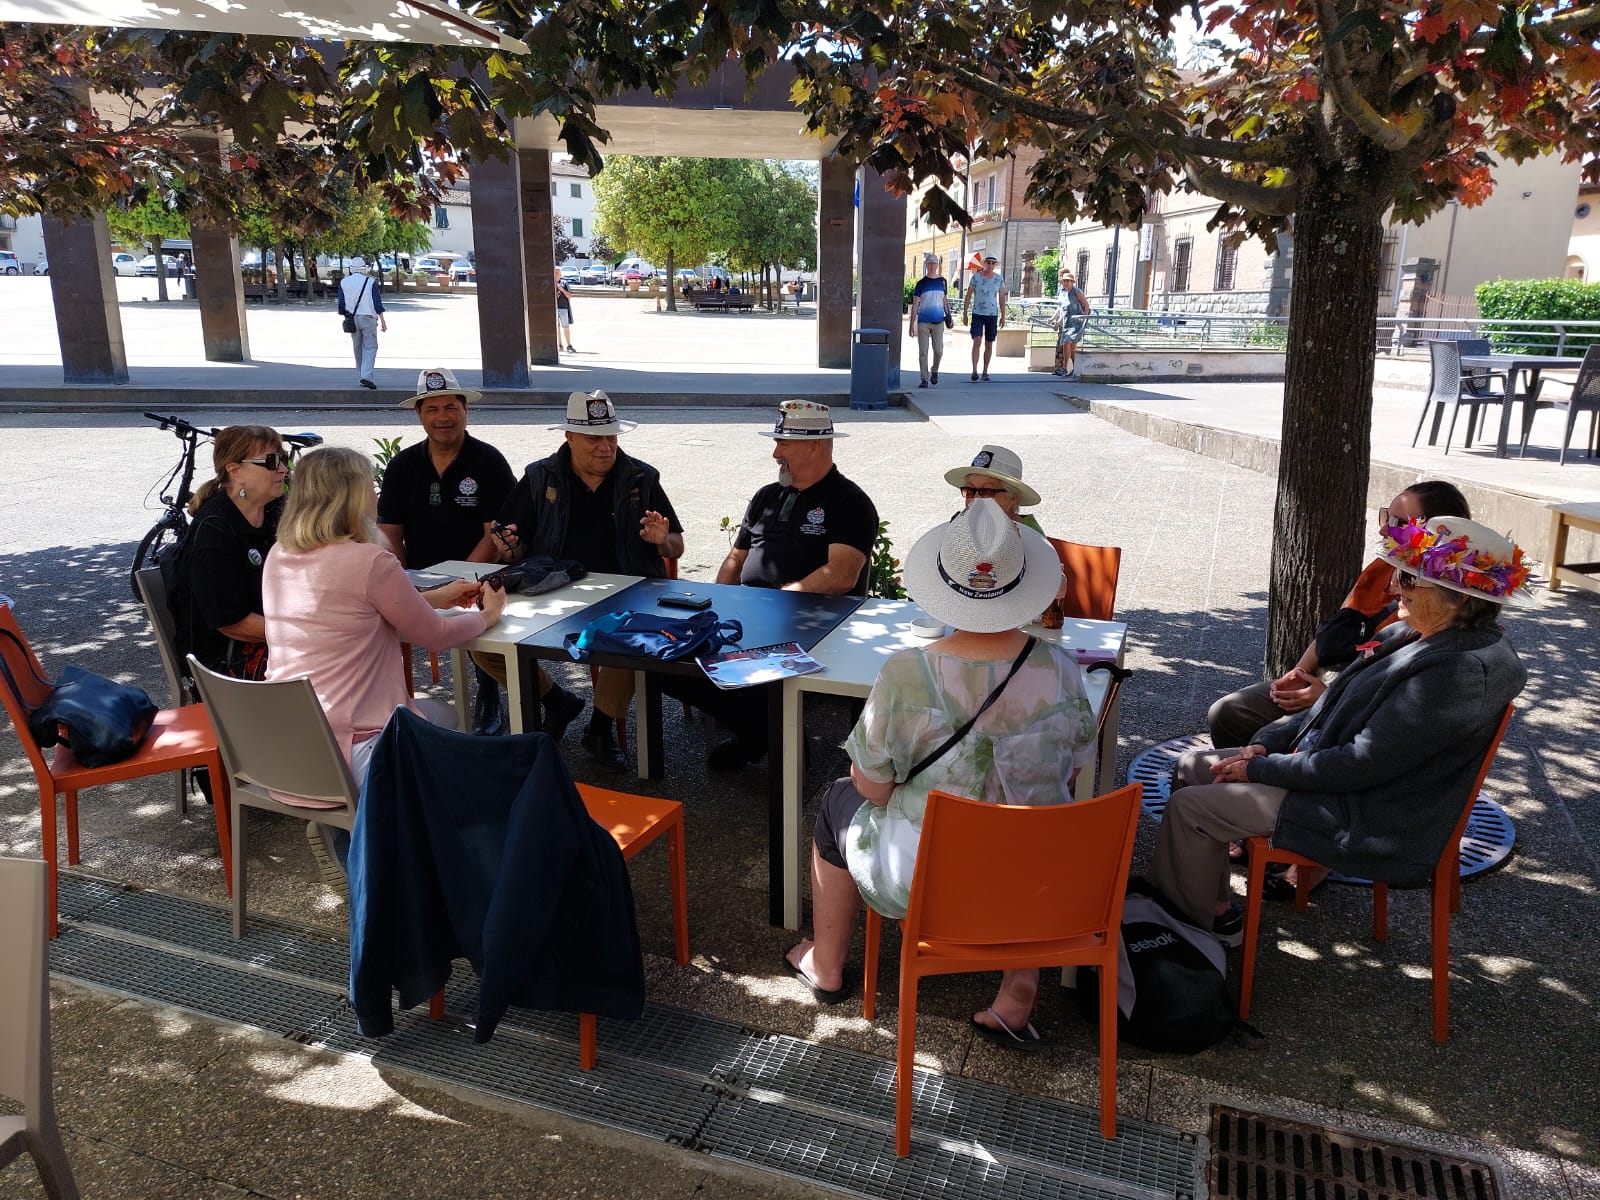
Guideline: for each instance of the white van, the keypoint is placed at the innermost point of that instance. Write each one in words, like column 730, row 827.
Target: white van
column 633, row 263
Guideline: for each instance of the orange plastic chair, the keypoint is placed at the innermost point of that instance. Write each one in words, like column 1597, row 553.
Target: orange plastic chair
column 180, row 738
column 1004, row 887
column 1446, row 887
column 1091, row 573
column 633, row 822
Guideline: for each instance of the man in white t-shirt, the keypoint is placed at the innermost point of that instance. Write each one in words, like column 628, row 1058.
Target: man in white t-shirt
column 986, row 306
column 360, row 301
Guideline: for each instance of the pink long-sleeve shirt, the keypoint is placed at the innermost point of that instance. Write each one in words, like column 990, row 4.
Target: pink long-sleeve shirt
column 337, row 615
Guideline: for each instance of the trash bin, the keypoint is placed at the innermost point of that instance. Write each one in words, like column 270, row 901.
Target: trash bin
column 191, row 290
column 869, row 369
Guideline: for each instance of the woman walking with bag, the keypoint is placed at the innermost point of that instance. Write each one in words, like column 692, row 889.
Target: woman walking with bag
column 987, row 712
column 1071, row 316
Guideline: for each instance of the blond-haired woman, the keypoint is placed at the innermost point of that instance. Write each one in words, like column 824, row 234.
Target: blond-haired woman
column 216, row 607
column 338, row 604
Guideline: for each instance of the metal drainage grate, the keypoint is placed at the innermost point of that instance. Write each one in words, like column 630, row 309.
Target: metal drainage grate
column 1486, row 842
column 1259, row 1157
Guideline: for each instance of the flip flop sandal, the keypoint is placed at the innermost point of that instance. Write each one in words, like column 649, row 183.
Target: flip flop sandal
column 1026, row 1042
column 824, row 995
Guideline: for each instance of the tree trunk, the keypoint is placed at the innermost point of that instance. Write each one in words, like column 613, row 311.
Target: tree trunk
column 1319, row 528
column 672, row 282
column 161, row 269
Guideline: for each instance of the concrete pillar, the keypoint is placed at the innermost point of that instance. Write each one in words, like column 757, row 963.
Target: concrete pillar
column 497, row 246
column 220, row 290
column 84, row 289
column 539, row 252
column 883, row 264
column 836, row 234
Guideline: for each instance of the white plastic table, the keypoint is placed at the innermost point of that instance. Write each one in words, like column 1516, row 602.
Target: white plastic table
column 523, row 615
column 851, row 657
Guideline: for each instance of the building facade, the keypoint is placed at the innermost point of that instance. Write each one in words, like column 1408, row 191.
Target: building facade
column 1583, row 246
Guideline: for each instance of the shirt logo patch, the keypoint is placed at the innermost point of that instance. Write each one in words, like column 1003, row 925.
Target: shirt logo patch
column 813, row 524
column 255, row 558
column 983, row 459
column 468, row 486
column 815, row 516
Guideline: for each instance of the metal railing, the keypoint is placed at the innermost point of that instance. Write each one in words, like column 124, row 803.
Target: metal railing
column 1566, row 338
column 1154, row 329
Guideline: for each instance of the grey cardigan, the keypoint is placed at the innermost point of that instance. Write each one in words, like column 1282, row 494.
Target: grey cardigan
column 1379, row 768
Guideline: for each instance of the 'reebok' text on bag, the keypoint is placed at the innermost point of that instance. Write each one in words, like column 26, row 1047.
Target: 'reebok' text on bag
column 1172, row 991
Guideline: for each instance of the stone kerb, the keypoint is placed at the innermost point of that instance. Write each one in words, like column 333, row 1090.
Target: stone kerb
column 1165, row 366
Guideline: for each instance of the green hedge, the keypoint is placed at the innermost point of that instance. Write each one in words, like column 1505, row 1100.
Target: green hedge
column 1537, row 300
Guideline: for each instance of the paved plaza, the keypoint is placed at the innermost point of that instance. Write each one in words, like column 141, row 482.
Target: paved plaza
column 158, row 1103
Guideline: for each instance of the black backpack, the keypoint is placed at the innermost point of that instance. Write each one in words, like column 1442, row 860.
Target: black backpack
column 1172, row 993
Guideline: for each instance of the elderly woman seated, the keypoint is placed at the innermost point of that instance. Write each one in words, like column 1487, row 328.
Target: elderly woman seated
column 995, row 473
column 987, row 711
column 1370, row 779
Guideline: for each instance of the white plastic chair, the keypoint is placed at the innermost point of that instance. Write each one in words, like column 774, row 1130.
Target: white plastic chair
column 25, row 1028
column 274, row 737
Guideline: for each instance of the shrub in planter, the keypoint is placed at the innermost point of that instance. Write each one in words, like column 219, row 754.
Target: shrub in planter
column 1537, row 300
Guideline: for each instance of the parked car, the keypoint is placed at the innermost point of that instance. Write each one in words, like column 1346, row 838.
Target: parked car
column 42, row 267
column 462, row 271
column 147, row 266
column 595, row 275
column 10, row 264
column 570, row 276
column 688, row 277
column 124, row 263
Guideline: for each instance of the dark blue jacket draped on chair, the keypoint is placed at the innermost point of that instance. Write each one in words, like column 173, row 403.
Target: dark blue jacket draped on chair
column 483, row 850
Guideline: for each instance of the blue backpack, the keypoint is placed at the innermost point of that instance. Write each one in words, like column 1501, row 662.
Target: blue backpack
column 651, row 635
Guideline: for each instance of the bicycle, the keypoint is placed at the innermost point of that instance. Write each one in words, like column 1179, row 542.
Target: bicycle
column 169, row 530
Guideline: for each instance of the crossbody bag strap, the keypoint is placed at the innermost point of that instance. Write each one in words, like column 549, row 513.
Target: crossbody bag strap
column 361, row 295
column 955, row 737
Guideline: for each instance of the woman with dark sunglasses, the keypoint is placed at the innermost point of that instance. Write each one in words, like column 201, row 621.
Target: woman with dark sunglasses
column 216, row 606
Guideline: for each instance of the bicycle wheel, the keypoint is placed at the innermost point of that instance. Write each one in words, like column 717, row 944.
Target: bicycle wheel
column 169, row 531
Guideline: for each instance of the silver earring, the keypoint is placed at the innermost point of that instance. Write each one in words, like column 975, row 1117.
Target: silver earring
column 243, row 493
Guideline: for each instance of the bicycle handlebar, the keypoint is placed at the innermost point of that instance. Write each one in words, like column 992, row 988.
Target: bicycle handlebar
column 179, row 425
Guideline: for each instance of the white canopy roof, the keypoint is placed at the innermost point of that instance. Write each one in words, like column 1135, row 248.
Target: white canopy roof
column 433, row 22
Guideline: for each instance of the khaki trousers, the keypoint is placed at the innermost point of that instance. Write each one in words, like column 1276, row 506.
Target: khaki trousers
column 929, row 332
column 613, row 689
column 1234, row 719
column 1190, row 867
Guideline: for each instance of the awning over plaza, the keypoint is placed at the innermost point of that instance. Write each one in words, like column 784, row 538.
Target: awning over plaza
column 339, row 20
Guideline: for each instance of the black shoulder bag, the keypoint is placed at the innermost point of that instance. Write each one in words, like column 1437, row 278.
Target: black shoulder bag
column 99, row 720
column 955, row 737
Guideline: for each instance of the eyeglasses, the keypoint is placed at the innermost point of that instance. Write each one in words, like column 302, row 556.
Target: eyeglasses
column 982, row 493
column 1389, row 520
column 278, row 458
column 1406, row 581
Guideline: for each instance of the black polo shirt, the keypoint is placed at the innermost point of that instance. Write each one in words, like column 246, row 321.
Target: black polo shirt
column 220, row 576
column 591, row 536
column 443, row 515
column 788, row 532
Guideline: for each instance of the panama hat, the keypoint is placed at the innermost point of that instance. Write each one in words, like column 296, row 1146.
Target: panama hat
column 1461, row 556
column 438, row 381
column 1001, row 463
column 982, row 572
column 592, row 413
column 803, row 421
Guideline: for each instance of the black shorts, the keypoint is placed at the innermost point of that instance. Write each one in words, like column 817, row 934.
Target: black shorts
column 987, row 328
column 840, row 803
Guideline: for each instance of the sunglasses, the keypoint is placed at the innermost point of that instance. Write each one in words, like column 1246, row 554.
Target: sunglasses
column 278, row 458
column 982, row 493
column 1388, row 520
column 1407, row 581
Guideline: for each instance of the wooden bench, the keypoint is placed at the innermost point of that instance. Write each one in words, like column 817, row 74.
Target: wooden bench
column 723, row 302
column 1563, row 519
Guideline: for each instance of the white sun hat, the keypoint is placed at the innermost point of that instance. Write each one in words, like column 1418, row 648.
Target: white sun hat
column 593, row 413
column 1460, row 556
column 983, row 572
column 438, row 381
column 1004, row 465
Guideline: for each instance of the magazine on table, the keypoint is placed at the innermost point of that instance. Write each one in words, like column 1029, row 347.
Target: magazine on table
column 739, row 668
